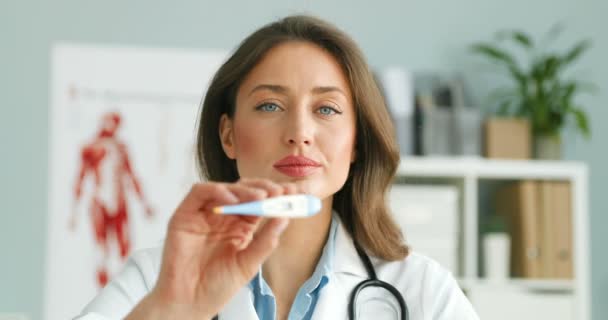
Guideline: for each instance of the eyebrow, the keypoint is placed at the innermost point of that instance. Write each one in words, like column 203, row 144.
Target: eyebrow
column 283, row 90
column 271, row 87
column 319, row 90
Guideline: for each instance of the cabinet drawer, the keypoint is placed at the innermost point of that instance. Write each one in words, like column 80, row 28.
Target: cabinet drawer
column 428, row 210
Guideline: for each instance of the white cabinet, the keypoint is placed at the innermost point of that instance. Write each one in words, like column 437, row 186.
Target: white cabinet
column 428, row 217
column 520, row 299
column 514, row 302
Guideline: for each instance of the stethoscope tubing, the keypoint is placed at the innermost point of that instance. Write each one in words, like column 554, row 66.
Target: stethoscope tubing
column 373, row 281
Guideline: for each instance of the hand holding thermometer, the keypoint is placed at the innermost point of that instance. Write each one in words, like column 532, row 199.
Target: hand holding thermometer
column 290, row 206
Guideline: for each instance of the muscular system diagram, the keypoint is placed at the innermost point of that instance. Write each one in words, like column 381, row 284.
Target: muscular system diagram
column 105, row 159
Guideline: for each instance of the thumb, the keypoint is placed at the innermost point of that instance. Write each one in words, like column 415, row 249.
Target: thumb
column 262, row 245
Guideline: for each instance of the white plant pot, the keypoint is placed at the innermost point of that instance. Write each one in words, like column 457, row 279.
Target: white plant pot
column 497, row 253
column 547, row 147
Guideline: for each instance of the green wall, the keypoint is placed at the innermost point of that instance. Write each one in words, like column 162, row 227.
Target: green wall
column 420, row 34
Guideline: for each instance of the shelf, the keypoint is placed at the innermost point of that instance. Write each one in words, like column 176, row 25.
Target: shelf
column 474, row 176
column 554, row 285
column 460, row 167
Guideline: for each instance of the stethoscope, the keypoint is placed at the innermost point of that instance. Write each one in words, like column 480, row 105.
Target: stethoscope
column 373, row 281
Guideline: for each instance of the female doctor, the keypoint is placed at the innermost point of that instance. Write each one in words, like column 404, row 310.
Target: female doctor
column 295, row 109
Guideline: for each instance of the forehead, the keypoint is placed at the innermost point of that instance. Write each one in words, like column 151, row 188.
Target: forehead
column 298, row 65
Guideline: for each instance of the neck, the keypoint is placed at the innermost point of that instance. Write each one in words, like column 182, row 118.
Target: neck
column 299, row 251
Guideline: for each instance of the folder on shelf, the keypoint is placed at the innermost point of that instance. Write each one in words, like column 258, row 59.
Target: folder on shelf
column 547, row 211
column 518, row 202
column 562, row 250
column 540, row 218
column 556, row 219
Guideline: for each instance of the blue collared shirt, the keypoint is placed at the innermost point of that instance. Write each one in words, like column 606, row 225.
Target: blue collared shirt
column 308, row 295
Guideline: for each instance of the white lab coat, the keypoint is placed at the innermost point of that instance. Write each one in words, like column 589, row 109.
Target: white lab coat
column 430, row 291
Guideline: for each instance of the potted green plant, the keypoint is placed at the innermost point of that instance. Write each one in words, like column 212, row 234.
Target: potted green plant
column 540, row 91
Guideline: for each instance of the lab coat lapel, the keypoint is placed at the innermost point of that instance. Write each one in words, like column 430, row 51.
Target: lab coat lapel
column 240, row 307
column 346, row 259
column 333, row 299
column 332, row 302
column 348, row 272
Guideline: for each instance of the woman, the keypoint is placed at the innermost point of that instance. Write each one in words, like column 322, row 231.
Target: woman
column 294, row 110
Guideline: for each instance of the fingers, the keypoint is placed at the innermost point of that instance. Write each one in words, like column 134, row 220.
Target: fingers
column 207, row 195
column 195, row 212
column 247, row 193
column 261, row 246
column 273, row 189
column 240, row 192
column 202, row 194
column 246, row 190
column 238, row 230
column 290, row 188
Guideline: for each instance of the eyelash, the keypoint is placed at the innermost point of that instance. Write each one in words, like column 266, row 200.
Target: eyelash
column 334, row 110
column 261, row 108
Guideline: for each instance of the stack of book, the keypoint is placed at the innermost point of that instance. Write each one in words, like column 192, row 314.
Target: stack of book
column 540, row 223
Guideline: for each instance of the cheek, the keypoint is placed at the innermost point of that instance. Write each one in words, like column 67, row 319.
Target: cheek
column 249, row 139
column 339, row 147
column 244, row 143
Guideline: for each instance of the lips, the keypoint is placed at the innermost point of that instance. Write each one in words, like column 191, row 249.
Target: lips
column 297, row 166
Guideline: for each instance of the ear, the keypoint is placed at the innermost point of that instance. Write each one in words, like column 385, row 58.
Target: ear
column 227, row 136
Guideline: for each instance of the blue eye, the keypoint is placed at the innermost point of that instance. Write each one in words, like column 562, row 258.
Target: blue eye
column 268, row 107
column 327, row 111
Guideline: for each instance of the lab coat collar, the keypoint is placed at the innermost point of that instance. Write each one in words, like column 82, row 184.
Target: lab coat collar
column 330, row 306
column 334, row 296
column 346, row 259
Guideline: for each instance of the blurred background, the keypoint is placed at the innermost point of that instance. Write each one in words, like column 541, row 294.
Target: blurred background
column 439, row 64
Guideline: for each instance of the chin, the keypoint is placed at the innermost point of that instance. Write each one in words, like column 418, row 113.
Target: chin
column 314, row 188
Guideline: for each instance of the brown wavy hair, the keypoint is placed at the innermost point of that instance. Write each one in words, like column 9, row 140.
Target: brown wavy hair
column 361, row 202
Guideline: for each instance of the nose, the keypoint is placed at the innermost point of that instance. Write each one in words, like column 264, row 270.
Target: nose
column 298, row 129
column 297, row 141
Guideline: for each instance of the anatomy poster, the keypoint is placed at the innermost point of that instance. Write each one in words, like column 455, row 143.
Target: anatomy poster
column 122, row 133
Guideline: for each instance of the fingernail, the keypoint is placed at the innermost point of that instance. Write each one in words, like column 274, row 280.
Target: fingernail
column 236, row 242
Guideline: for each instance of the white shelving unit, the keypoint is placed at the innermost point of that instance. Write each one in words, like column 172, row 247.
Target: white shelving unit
column 469, row 172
